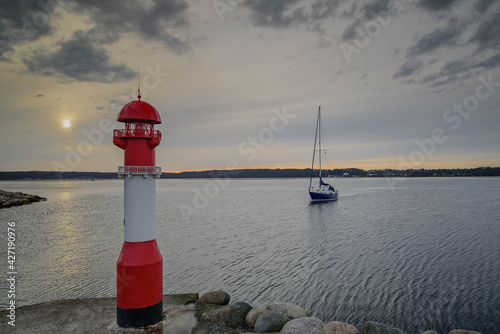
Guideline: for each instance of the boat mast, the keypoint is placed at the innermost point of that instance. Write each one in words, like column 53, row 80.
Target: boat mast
column 314, row 150
column 319, row 142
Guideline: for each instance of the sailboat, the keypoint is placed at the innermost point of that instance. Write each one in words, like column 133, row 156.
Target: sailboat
column 322, row 192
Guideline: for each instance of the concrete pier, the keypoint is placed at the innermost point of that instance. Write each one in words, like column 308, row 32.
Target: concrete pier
column 98, row 315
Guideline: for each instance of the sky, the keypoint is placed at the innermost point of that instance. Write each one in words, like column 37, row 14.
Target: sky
column 401, row 84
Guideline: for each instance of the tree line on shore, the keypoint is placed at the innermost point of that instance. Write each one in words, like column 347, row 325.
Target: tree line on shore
column 261, row 173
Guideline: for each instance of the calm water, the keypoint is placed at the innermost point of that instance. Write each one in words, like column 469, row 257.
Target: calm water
column 424, row 255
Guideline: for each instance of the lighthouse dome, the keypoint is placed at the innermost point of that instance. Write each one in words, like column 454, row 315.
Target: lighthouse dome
column 139, row 111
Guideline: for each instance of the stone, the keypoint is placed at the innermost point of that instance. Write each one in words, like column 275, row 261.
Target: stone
column 430, row 332
column 338, row 327
column 305, row 325
column 252, row 316
column 270, row 322
column 9, row 199
column 376, row 328
column 233, row 314
column 292, row 311
column 463, row 331
column 214, row 297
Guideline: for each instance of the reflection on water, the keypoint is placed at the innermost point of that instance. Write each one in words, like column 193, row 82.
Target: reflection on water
column 419, row 257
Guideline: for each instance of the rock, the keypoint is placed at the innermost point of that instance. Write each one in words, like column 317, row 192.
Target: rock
column 306, row 325
column 234, row 314
column 430, row 332
column 252, row 316
column 376, row 328
column 207, row 312
column 270, row 322
column 463, row 331
column 338, row 327
column 290, row 310
column 9, row 199
column 214, row 297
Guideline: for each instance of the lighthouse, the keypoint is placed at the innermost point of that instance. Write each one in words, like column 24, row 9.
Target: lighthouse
column 139, row 283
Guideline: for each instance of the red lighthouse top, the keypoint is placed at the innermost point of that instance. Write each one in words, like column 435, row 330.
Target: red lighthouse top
column 139, row 111
column 139, row 138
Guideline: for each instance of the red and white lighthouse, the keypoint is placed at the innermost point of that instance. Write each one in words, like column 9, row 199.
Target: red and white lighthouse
column 140, row 264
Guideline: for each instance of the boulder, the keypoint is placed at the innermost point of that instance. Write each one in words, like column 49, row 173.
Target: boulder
column 306, row 325
column 9, row 199
column 338, row 327
column 270, row 322
column 214, row 297
column 463, row 331
column 430, row 332
column 290, row 310
column 254, row 313
column 376, row 328
column 234, row 314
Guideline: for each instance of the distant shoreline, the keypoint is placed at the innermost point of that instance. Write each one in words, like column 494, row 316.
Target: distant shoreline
column 258, row 173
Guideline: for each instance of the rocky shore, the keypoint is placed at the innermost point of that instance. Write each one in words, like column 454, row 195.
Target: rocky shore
column 284, row 318
column 9, row 199
column 212, row 313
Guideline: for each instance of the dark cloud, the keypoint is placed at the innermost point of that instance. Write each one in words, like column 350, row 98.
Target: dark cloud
column 410, row 67
column 370, row 10
column 375, row 8
column 483, row 5
column 276, row 13
column 455, row 67
column 78, row 59
column 491, row 62
column 438, row 38
column 291, row 13
column 83, row 57
column 159, row 20
column 436, row 5
column 456, row 70
column 24, row 21
column 487, row 35
column 322, row 9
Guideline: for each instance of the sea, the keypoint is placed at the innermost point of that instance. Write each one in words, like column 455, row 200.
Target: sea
column 414, row 253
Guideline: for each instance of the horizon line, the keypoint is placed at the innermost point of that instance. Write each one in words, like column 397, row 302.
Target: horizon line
column 256, row 168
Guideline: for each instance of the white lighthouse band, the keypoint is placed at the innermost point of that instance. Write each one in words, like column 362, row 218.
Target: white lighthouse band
column 139, row 202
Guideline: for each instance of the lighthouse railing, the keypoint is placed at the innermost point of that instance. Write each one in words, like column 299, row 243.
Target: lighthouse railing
column 139, row 170
column 144, row 133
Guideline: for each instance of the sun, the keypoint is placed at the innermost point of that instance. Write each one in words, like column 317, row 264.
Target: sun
column 66, row 123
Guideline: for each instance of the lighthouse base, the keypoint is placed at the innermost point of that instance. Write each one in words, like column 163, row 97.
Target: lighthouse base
column 139, row 297
column 135, row 318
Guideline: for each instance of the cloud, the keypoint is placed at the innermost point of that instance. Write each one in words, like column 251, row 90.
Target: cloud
column 491, row 62
column 368, row 11
column 24, row 21
column 322, row 9
column 487, row 35
column 78, row 59
column 436, row 5
column 438, row 38
column 483, row 5
column 454, row 67
column 159, row 20
column 281, row 14
column 83, row 57
column 410, row 67
column 275, row 13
